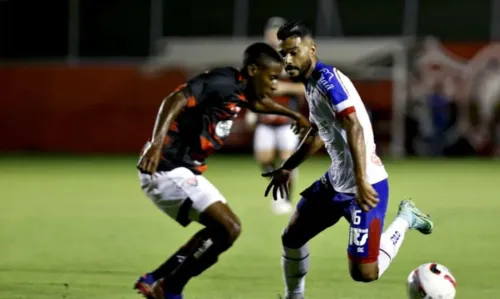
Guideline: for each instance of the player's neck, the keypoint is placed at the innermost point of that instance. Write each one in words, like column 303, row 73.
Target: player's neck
column 308, row 75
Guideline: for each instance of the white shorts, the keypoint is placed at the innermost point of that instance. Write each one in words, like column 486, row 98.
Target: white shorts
column 268, row 138
column 180, row 193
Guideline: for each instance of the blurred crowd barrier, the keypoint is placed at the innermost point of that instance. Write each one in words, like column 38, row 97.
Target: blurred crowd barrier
column 454, row 99
column 450, row 108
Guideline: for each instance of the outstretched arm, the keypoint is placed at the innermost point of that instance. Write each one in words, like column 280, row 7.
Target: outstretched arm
column 268, row 106
column 290, row 88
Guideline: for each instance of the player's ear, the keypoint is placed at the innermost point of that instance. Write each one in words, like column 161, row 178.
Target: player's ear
column 252, row 70
column 312, row 49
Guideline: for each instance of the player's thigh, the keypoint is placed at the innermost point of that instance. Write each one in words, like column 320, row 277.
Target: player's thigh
column 315, row 212
column 264, row 143
column 366, row 228
column 180, row 193
column 286, row 141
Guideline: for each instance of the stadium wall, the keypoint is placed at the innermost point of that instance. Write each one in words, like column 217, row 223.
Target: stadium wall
column 111, row 109
column 102, row 109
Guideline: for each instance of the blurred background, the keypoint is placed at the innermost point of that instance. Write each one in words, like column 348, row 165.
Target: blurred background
column 80, row 85
column 427, row 71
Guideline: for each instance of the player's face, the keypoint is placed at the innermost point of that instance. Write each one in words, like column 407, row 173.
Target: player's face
column 297, row 53
column 265, row 79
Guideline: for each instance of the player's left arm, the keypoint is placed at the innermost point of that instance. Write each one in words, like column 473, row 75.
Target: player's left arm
column 356, row 142
column 342, row 100
column 343, row 104
column 268, row 106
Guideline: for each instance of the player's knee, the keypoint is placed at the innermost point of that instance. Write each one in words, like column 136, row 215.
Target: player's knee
column 229, row 234
column 368, row 276
column 233, row 232
column 363, row 273
column 265, row 158
column 291, row 240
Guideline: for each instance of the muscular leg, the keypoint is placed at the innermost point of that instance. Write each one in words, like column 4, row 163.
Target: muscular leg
column 264, row 146
column 315, row 212
column 371, row 251
column 365, row 233
column 222, row 228
column 265, row 158
column 389, row 243
column 186, row 197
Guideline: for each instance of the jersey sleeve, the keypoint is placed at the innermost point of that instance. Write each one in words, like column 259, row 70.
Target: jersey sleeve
column 208, row 85
column 194, row 89
column 332, row 84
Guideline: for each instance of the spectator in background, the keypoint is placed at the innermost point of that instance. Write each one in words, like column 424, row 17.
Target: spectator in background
column 485, row 109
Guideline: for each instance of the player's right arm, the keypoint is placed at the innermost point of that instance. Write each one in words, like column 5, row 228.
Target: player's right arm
column 170, row 108
column 309, row 145
column 280, row 177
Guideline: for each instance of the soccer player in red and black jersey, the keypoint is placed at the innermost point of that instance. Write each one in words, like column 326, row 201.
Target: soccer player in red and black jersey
column 192, row 123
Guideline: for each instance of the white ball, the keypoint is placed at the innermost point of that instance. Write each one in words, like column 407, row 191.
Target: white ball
column 431, row 281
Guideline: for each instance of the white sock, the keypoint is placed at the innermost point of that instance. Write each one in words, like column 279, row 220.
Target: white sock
column 295, row 263
column 390, row 242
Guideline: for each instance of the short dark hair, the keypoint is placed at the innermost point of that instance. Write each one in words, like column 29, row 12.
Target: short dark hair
column 294, row 28
column 260, row 53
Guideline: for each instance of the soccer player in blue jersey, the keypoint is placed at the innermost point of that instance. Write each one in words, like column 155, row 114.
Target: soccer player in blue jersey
column 355, row 186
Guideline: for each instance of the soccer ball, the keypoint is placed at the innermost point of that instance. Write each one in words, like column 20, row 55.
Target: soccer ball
column 431, row 281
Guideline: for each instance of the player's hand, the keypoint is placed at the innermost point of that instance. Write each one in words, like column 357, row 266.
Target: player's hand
column 367, row 197
column 279, row 181
column 300, row 125
column 150, row 158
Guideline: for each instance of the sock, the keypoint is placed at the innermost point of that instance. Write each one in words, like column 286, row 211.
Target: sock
column 201, row 256
column 196, row 256
column 390, row 242
column 295, row 263
column 178, row 257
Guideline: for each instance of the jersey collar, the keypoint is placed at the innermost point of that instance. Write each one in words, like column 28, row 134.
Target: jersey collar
column 319, row 65
column 316, row 74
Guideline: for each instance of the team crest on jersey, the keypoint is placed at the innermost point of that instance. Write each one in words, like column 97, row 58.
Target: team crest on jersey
column 192, row 181
column 223, row 128
column 325, row 79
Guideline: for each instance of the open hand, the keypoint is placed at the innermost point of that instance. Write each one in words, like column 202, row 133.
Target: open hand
column 279, row 181
column 301, row 125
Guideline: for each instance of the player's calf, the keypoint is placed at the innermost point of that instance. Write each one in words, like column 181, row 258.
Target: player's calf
column 224, row 224
column 306, row 223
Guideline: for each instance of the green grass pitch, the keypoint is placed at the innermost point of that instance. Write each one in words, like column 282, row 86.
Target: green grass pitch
column 80, row 228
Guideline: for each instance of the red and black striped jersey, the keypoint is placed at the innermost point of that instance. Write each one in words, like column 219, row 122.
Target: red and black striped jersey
column 214, row 99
